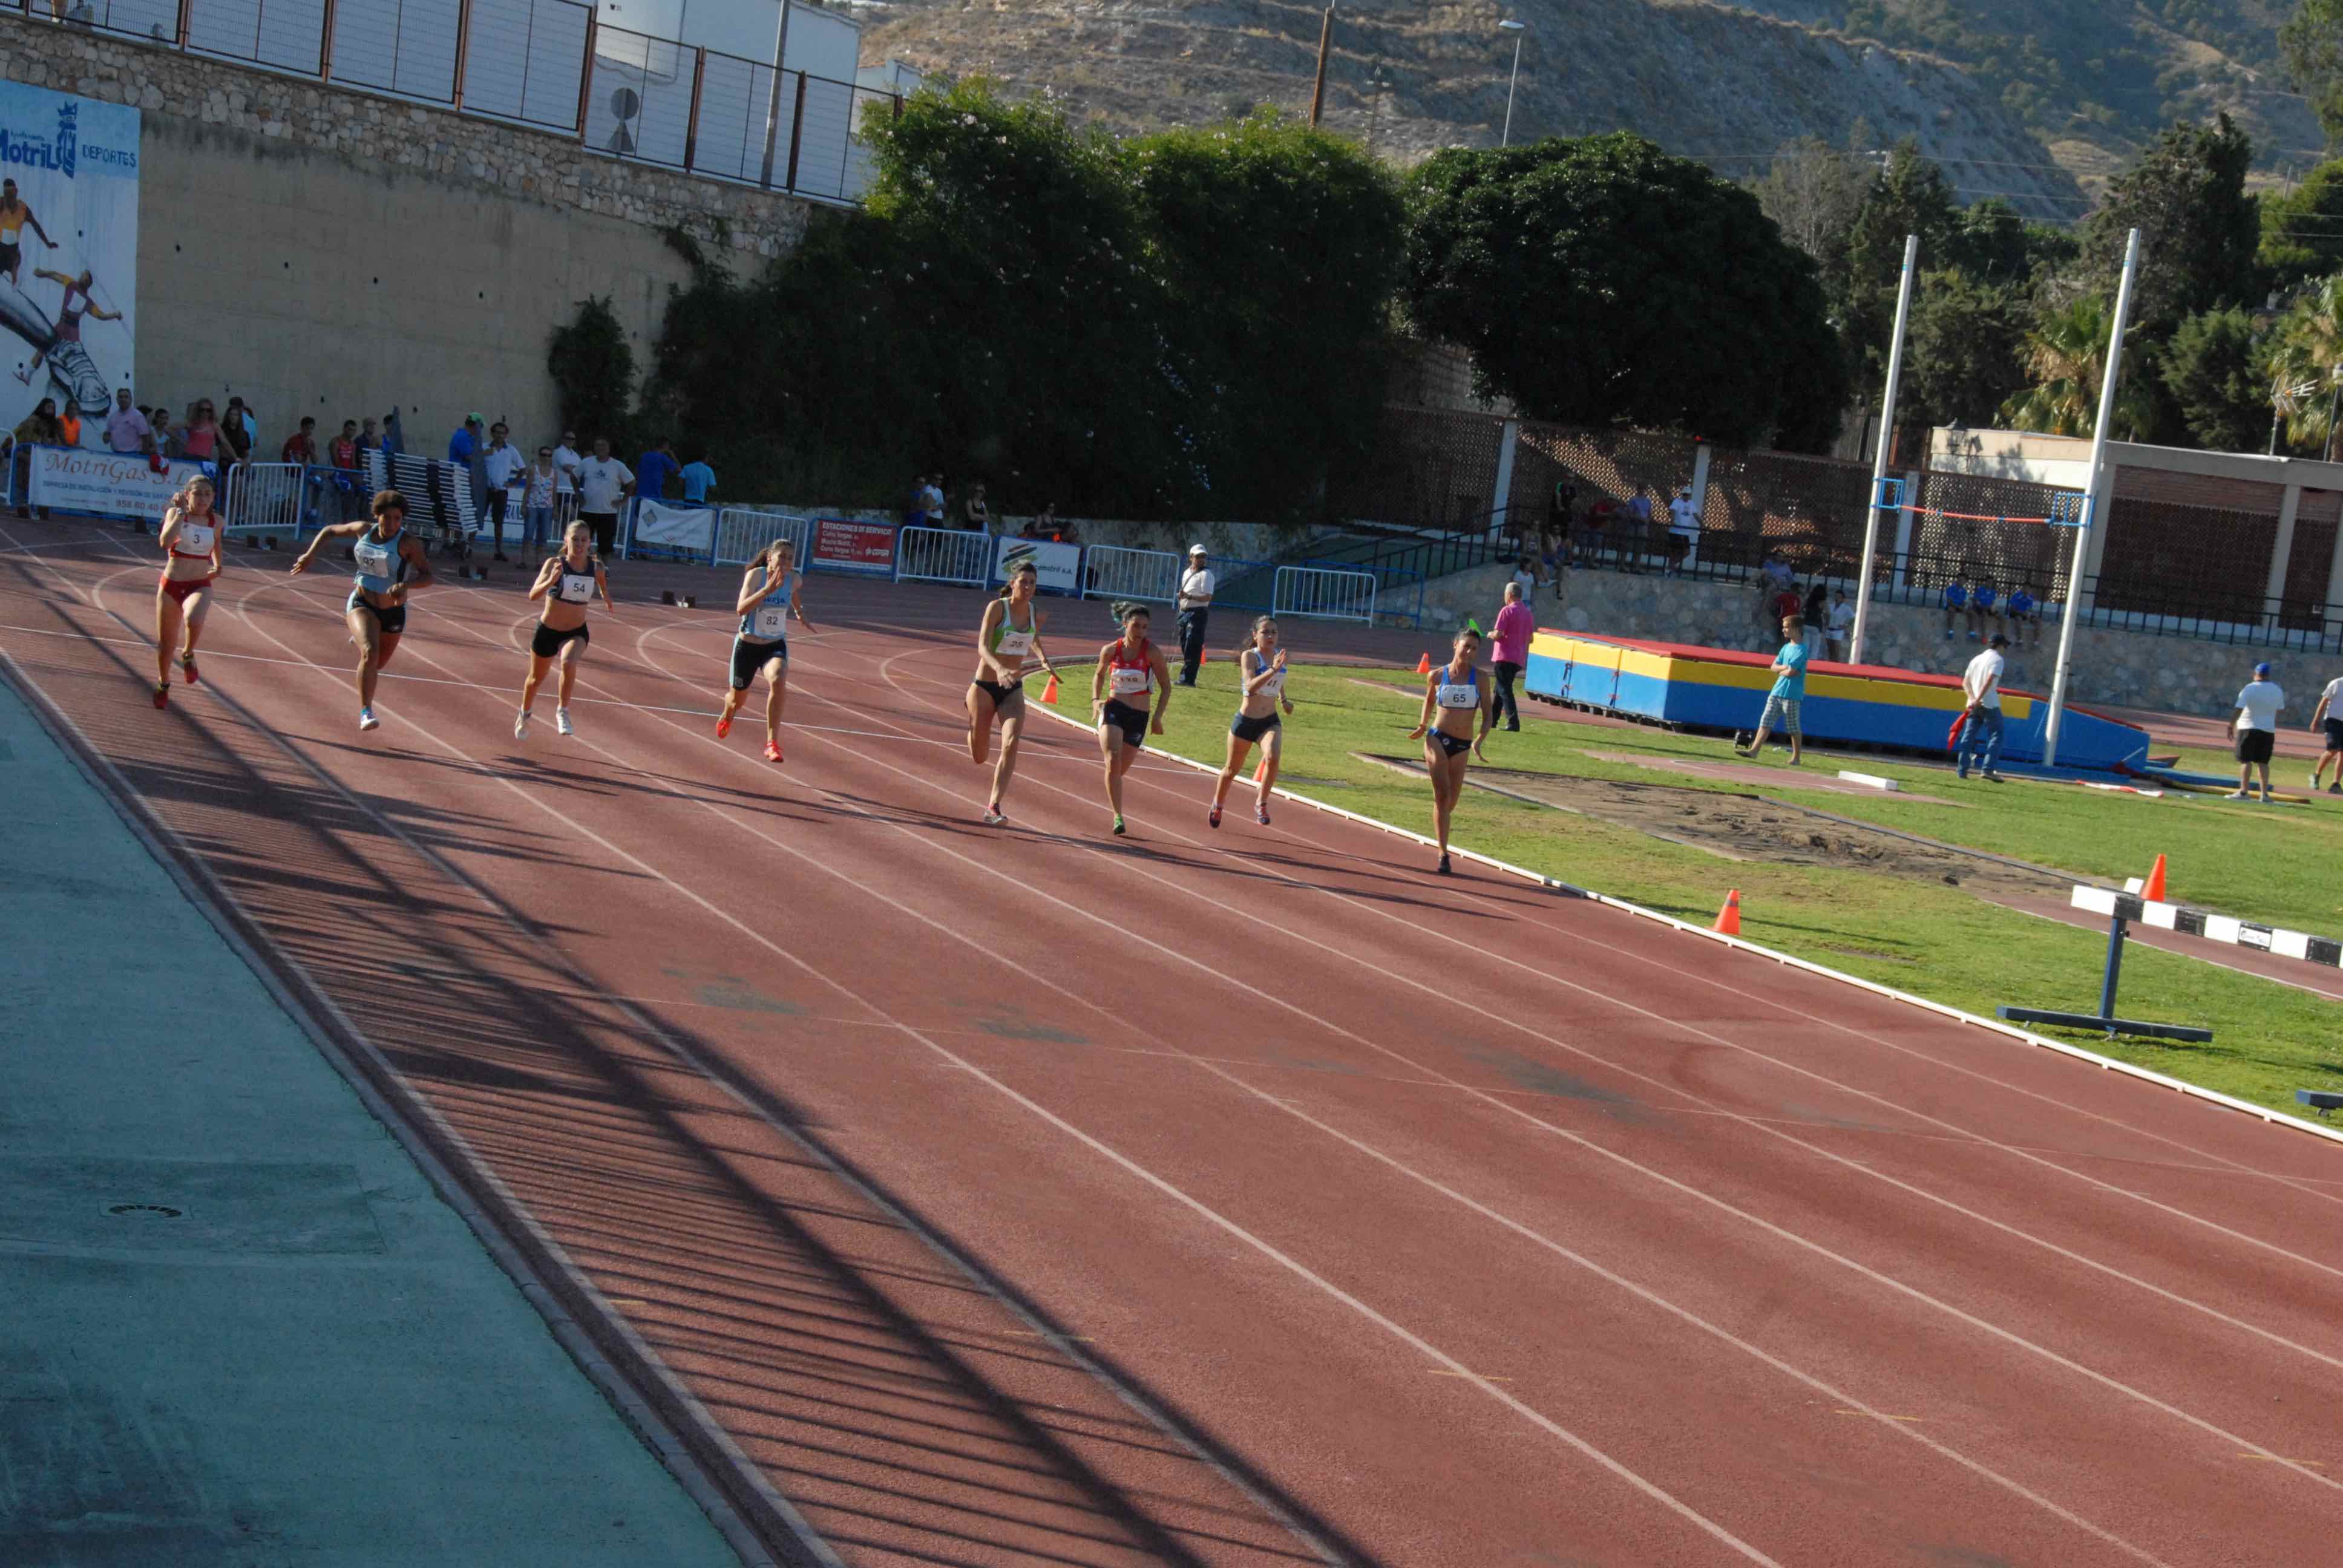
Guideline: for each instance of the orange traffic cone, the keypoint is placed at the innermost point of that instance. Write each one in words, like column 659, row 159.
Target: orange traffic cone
column 1424, row 663
column 2154, row 891
column 1728, row 919
column 1050, row 692
column 1261, row 770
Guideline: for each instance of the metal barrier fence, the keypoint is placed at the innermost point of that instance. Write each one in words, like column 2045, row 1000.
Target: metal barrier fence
column 1325, row 594
column 742, row 531
column 943, row 555
column 1112, row 571
column 546, row 64
column 266, row 498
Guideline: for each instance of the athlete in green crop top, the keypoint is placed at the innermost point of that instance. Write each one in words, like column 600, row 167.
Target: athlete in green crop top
column 1011, row 632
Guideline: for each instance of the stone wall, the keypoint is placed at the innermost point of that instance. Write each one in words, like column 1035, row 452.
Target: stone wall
column 320, row 250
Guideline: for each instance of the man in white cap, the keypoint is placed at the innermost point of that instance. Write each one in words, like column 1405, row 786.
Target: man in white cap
column 1195, row 611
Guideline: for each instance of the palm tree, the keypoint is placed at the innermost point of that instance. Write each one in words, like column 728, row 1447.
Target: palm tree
column 2306, row 367
column 2064, row 354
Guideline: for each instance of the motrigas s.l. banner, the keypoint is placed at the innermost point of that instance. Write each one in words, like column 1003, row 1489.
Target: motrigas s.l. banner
column 68, row 251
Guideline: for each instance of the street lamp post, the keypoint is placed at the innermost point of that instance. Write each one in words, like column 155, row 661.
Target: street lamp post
column 1516, row 29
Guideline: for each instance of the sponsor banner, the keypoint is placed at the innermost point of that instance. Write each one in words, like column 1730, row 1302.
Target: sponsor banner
column 69, row 270
column 1057, row 566
column 844, row 544
column 660, row 526
column 111, row 484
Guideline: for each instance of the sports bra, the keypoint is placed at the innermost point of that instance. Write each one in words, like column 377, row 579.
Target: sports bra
column 768, row 620
column 382, row 566
column 572, row 585
column 1129, row 675
column 1275, row 686
column 198, row 534
column 12, row 224
column 1449, row 694
column 1008, row 639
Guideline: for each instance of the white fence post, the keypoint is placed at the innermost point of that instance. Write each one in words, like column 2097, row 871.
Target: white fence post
column 1324, row 593
column 1500, row 505
column 743, row 532
column 1113, row 571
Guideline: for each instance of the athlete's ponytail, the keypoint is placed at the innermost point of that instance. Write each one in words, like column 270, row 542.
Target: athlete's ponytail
column 1124, row 608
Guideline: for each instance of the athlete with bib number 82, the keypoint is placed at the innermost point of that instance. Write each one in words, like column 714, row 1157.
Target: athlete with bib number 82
column 768, row 598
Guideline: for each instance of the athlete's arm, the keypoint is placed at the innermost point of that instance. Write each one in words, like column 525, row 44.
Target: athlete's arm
column 1098, row 681
column 338, row 531
column 796, row 599
column 1162, row 690
column 1488, row 712
column 1288, row 701
column 1423, row 719
column 551, row 565
column 172, row 518
column 752, row 589
column 2318, row 712
column 602, row 581
column 411, row 551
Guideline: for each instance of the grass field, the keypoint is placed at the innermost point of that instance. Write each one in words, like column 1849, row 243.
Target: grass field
column 2279, row 865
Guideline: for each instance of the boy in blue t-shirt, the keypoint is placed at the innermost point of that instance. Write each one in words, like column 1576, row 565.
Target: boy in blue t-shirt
column 1789, row 693
column 1983, row 614
column 1956, row 602
column 2021, row 614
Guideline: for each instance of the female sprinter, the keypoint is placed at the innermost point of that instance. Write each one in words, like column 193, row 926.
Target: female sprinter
column 566, row 582
column 191, row 559
column 1455, row 690
column 1260, row 685
column 1128, row 668
column 391, row 565
column 768, row 598
column 1012, row 629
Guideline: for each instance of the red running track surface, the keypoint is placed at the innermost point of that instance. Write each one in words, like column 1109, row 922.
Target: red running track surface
column 1248, row 1196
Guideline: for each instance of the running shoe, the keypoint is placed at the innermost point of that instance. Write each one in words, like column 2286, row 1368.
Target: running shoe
column 187, row 668
column 2314, row 780
column 2236, row 795
column 1213, row 816
column 163, row 694
column 723, row 728
column 772, row 752
column 1446, row 869
column 79, row 372
column 2336, row 787
column 561, row 725
column 1261, row 815
column 367, row 721
column 1117, row 822
column 992, row 817
column 520, row 727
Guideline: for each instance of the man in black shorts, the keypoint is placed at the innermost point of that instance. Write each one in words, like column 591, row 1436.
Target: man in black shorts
column 2255, row 727
column 2328, row 718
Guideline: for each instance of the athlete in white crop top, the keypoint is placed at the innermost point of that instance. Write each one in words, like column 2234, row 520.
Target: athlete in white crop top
column 1261, row 692
column 566, row 583
column 391, row 565
column 1010, row 633
column 1127, row 669
column 1453, row 691
column 770, row 596
column 190, row 537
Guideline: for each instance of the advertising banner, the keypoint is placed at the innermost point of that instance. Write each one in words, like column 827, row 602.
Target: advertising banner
column 660, row 527
column 68, row 253
column 844, row 544
column 77, row 479
column 1057, row 567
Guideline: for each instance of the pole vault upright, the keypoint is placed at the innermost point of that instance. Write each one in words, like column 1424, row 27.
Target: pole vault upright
column 1885, row 450
column 2095, row 508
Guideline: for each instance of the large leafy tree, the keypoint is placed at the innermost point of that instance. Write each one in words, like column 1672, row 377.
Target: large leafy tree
column 1602, row 281
column 2302, row 231
column 2065, row 357
column 1910, row 196
column 1813, row 192
column 1961, row 359
column 2311, row 43
column 2305, row 368
column 2198, row 228
column 2214, row 372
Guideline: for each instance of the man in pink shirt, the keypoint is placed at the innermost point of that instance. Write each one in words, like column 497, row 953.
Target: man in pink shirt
column 1515, row 625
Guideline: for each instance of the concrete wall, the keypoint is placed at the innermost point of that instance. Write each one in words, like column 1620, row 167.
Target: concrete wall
column 324, row 252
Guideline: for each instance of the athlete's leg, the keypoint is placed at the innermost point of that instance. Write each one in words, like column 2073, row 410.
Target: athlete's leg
column 167, row 634
column 1013, row 733
column 366, row 632
column 1111, row 750
column 569, row 657
column 980, row 710
column 1435, row 762
column 1237, row 750
column 777, row 695
column 537, row 664
column 198, row 607
column 390, row 647
column 1273, row 750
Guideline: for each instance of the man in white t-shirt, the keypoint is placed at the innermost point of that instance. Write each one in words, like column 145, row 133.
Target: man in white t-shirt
column 1842, row 625
column 1196, row 584
column 567, row 461
column 1981, row 721
column 2255, row 729
column 1684, row 531
column 2328, row 716
column 602, row 485
column 501, row 466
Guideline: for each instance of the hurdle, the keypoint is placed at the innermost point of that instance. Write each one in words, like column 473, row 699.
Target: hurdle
column 2121, row 910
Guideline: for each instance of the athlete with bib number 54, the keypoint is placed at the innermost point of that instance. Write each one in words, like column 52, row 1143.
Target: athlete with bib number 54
column 1454, row 692
column 566, row 582
column 1127, row 669
column 768, row 598
column 391, row 565
column 191, row 555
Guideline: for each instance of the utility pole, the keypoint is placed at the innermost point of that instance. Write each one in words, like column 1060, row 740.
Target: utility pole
column 1885, row 450
column 1516, row 29
column 1318, row 88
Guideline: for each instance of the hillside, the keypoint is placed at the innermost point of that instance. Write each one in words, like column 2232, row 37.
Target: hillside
column 1729, row 83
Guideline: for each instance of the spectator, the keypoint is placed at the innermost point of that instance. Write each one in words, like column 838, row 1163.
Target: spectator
column 2255, row 729
column 301, row 445
column 1684, row 543
column 1774, row 575
column 655, row 468
column 342, row 451
column 200, row 438
column 1562, row 509
column 1599, row 518
column 1065, row 532
column 1981, row 719
column 932, row 499
column 2022, row 615
column 1032, row 530
column 369, row 436
column 975, row 516
column 1811, row 617
column 466, row 440
column 698, row 478
column 394, row 435
column 37, row 428
column 348, row 479
column 1784, row 703
column 541, row 481
column 1196, row 584
column 1842, row 625
column 166, row 435
column 915, row 516
column 567, row 461
column 1957, row 604
column 1524, row 577
column 1515, row 625
column 243, row 427
column 603, row 483
column 1984, row 613
column 2326, row 715
column 127, row 428
column 69, row 424
column 500, row 464
column 473, row 442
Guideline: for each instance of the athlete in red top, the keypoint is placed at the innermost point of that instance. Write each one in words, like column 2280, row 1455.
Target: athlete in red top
column 1126, row 667
column 191, row 559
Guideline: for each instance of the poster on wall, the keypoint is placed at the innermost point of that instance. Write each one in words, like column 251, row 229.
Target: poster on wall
column 1057, row 567
column 68, row 253
column 848, row 545
column 108, row 484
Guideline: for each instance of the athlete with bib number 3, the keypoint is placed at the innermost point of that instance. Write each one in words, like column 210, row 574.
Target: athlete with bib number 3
column 1011, row 632
column 768, row 598
column 1454, row 691
column 191, row 556
column 1127, row 669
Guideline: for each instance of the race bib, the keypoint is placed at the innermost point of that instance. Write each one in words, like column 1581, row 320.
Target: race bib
column 373, row 559
column 1458, row 695
column 1275, row 685
column 576, row 588
column 1016, row 642
column 1128, row 682
column 772, row 621
column 194, row 539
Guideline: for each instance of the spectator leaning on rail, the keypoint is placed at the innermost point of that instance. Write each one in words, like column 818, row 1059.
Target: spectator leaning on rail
column 1981, row 719
column 539, row 482
column 1196, row 586
column 502, row 464
column 2255, row 726
column 697, row 478
column 348, row 484
column 37, row 428
column 1516, row 624
column 1684, row 536
column 1842, row 625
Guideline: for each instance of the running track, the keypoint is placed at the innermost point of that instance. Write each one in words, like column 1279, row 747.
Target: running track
column 1246, row 1197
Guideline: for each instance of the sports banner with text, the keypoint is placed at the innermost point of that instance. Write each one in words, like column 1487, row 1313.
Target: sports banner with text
column 1057, row 567
column 68, row 253
column 110, row 484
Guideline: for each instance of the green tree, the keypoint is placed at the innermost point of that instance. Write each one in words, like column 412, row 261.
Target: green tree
column 2311, row 43
column 1602, row 281
column 1961, row 359
column 1910, row 196
column 1813, row 192
column 593, row 371
column 2302, row 231
column 2213, row 370
column 2305, row 367
column 2198, row 228
column 2064, row 356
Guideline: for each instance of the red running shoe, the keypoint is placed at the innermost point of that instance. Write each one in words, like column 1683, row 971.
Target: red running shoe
column 723, row 728
column 187, row 668
column 163, row 694
column 772, row 752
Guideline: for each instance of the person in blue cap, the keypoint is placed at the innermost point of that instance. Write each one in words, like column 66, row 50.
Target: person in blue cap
column 2255, row 729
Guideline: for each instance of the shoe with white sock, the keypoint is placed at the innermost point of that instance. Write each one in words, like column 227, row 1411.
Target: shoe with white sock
column 520, row 726
column 561, row 722
column 367, row 721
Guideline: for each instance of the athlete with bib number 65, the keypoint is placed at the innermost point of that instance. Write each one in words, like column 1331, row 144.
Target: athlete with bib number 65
column 391, row 565
column 768, row 598
column 191, row 556
column 1454, row 692
column 566, row 582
